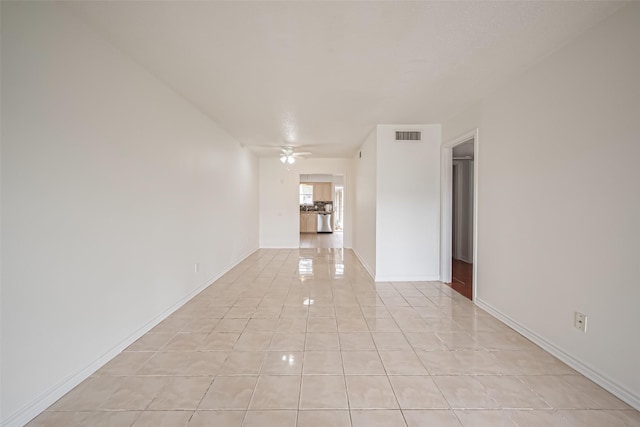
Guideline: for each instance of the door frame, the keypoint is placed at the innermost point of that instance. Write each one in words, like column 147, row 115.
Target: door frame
column 446, row 210
column 346, row 205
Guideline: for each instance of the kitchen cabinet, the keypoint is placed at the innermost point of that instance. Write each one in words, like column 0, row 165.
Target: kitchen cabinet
column 323, row 192
column 308, row 222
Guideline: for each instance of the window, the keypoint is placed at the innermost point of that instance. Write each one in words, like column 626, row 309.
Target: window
column 306, row 195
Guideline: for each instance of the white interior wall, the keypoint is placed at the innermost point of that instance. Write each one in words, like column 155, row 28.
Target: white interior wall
column 558, row 208
column 112, row 188
column 280, row 202
column 316, row 177
column 364, row 216
column 408, row 205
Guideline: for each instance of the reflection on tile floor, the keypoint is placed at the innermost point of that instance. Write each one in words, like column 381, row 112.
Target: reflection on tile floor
column 321, row 240
column 304, row 337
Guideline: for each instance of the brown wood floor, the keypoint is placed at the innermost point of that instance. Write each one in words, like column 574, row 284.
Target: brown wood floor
column 462, row 277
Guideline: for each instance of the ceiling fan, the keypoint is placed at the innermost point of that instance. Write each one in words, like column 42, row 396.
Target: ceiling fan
column 289, row 155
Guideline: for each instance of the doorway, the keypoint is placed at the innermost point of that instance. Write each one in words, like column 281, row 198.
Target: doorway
column 459, row 214
column 462, row 219
column 338, row 208
column 321, row 211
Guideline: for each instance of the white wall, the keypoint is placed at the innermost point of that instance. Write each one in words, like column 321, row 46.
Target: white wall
column 397, row 206
column 558, row 201
column 112, row 188
column 364, row 217
column 408, row 205
column 316, row 177
column 280, row 201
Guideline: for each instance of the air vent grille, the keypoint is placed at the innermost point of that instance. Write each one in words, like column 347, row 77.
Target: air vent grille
column 408, row 135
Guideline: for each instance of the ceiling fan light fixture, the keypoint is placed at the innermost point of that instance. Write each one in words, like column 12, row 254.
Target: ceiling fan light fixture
column 288, row 156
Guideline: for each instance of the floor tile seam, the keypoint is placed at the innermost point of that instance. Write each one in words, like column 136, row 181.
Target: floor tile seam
column 403, row 334
column 346, row 392
column 539, row 394
column 402, row 415
column 118, row 410
column 517, row 377
column 209, row 388
column 365, row 409
column 442, row 394
column 306, row 331
column 107, row 374
column 486, row 392
column 411, row 346
column 213, row 377
column 593, row 404
column 244, row 416
column 393, row 390
column 589, row 397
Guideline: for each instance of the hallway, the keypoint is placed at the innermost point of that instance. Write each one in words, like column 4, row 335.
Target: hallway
column 304, row 337
column 322, row 240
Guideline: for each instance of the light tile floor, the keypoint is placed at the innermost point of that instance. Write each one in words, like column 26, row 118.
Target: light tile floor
column 304, row 337
column 321, row 240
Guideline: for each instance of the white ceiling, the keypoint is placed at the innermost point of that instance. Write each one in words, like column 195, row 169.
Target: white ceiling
column 323, row 74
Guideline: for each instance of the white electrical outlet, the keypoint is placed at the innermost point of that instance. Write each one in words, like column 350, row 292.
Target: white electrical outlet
column 580, row 321
column 195, row 267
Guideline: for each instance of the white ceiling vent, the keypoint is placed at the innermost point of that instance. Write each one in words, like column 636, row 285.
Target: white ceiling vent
column 408, row 136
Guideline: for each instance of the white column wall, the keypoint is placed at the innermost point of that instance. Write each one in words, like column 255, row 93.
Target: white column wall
column 364, row 224
column 408, row 205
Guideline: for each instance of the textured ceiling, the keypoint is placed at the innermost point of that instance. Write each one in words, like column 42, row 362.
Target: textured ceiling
column 323, row 74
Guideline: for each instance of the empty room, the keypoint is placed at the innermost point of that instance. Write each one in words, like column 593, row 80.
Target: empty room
column 319, row 213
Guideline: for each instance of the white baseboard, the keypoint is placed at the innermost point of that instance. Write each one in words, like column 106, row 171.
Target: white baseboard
column 295, row 247
column 393, row 278
column 600, row 379
column 364, row 264
column 50, row 396
column 407, row 278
